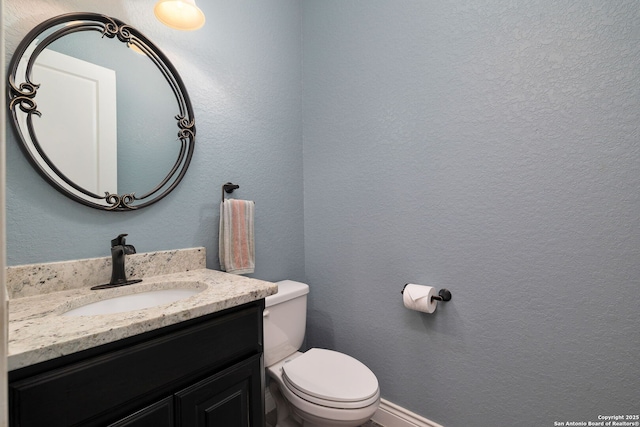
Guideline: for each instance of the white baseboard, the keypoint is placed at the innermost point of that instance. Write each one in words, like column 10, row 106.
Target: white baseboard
column 391, row 415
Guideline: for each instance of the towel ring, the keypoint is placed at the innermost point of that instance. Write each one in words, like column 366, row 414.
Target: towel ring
column 228, row 188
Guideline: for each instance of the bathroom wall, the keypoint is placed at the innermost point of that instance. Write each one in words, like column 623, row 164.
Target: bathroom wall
column 243, row 74
column 492, row 148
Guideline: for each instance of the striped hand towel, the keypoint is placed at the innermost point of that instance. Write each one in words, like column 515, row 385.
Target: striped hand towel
column 236, row 242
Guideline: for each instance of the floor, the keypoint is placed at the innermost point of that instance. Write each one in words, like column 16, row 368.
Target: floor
column 271, row 420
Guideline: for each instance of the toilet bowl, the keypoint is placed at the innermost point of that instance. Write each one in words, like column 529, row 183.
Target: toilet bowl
column 317, row 388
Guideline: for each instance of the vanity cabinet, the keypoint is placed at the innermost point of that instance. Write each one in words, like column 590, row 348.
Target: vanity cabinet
column 206, row 371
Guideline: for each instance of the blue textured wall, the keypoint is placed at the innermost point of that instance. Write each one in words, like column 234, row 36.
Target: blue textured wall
column 490, row 147
column 243, row 74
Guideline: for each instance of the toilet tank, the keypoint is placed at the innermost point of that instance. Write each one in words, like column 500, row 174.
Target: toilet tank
column 285, row 320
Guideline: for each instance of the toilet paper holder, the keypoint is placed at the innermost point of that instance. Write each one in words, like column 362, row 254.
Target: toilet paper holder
column 443, row 294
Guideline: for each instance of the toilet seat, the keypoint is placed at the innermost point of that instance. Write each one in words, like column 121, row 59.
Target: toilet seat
column 331, row 379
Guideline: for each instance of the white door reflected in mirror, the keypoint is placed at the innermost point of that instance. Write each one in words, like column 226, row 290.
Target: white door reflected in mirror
column 82, row 137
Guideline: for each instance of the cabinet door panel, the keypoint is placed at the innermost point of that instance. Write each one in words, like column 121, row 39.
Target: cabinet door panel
column 157, row 415
column 232, row 398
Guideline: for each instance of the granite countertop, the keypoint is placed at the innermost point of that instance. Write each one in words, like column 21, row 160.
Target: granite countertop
column 38, row 332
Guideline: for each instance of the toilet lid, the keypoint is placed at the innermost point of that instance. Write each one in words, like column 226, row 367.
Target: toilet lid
column 330, row 376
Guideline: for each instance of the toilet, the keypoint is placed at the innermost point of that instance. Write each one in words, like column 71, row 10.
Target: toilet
column 317, row 388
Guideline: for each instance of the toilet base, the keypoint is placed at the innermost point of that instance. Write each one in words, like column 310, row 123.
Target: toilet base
column 289, row 415
column 284, row 417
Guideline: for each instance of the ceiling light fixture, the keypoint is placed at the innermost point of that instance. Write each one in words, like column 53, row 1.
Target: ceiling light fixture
column 179, row 14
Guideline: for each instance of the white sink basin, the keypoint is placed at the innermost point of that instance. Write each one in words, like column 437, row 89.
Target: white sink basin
column 132, row 302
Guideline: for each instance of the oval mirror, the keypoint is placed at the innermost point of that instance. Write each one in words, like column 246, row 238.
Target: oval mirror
column 100, row 111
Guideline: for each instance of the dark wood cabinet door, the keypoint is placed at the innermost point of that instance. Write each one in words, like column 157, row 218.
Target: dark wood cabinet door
column 232, row 398
column 159, row 414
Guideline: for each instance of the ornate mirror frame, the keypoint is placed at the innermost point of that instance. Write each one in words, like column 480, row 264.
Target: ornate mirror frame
column 22, row 91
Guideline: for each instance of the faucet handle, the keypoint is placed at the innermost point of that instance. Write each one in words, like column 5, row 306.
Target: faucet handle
column 118, row 240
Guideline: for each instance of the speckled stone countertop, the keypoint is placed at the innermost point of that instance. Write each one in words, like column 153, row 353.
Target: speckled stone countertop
column 38, row 332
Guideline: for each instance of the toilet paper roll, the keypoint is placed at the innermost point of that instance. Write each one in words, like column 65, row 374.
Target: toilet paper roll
column 418, row 297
